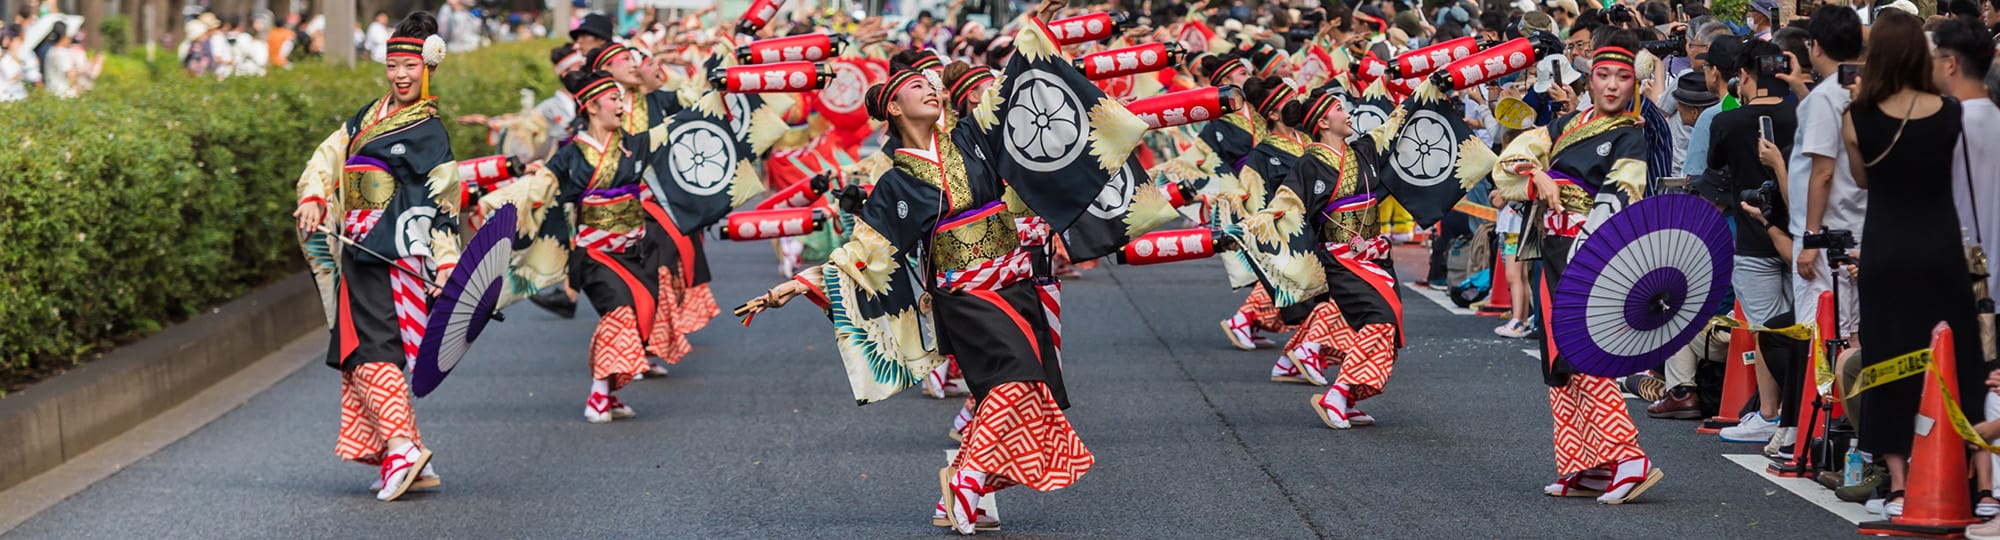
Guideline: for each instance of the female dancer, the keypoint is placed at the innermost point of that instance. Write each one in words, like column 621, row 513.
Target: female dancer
column 948, row 213
column 1265, row 168
column 1584, row 167
column 390, row 165
column 1359, row 321
column 599, row 177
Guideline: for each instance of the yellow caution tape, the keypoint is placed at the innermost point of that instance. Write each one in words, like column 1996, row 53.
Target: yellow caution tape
column 1910, row 364
column 1958, row 421
column 1888, row 371
column 1822, row 368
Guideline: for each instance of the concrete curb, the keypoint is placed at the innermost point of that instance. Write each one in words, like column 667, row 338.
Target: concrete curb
column 61, row 418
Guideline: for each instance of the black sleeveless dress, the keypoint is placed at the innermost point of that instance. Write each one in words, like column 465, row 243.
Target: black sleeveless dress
column 1913, row 272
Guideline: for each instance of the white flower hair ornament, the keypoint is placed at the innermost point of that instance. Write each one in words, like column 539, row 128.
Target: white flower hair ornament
column 433, row 51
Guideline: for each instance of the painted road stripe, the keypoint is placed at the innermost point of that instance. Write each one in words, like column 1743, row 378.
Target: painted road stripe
column 1440, row 299
column 1805, row 488
column 985, row 503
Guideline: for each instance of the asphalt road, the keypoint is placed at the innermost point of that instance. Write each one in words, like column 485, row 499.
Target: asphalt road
column 756, row 435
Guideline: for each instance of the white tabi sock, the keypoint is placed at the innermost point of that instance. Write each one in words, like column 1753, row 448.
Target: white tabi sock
column 600, row 386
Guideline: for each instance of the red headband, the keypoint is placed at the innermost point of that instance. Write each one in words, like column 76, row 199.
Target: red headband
column 1221, row 75
column 604, row 56
column 896, row 84
column 1612, row 56
column 594, row 90
column 406, row 47
column 1317, row 110
column 962, row 88
column 1275, row 101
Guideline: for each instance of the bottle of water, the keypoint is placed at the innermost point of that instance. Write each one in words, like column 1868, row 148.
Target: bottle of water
column 1852, row 474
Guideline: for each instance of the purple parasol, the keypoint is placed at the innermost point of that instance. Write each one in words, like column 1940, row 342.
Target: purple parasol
column 1642, row 285
column 462, row 310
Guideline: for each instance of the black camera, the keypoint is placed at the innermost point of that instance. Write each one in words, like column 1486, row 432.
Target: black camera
column 1619, row 15
column 1675, row 45
column 1301, row 34
column 1830, row 239
column 1836, row 242
column 1761, row 196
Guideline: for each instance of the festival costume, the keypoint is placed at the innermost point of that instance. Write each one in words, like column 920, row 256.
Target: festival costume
column 949, row 259
column 1270, row 163
column 1599, row 162
column 1358, row 324
column 387, row 181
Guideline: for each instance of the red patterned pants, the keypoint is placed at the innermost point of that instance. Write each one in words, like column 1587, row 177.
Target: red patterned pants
column 1366, row 355
column 374, row 407
column 1592, row 427
column 1019, row 437
column 1262, row 312
column 616, row 350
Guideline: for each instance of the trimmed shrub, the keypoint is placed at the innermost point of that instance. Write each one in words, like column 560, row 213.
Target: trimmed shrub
column 145, row 202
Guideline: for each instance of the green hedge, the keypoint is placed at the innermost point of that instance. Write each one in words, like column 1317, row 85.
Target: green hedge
column 160, row 195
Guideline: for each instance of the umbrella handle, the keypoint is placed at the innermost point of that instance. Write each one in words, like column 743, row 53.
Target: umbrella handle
column 357, row 245
column 495, row 315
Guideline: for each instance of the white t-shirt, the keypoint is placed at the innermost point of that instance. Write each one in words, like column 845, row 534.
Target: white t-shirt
column 55, row 71
column 1982, row 153
column 13, row 79
column 1818, row 134
column 377, row 43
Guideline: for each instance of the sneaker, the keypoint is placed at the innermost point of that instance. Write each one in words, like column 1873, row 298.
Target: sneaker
column 399, row 471
column 597, row 409
column 426, row 479
column 556, row 301
column 1514, row 329
column 1872, row 478
column 1678, row 404
column 1984, row 531
column 1753, row 428
column 1780, row 446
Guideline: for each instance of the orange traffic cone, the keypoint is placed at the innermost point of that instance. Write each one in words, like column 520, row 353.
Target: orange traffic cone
column 1935, row 501
column 1500, row 298
column 1739, row 382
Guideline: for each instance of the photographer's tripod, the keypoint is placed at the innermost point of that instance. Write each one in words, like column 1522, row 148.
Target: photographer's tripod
column 1806, row 451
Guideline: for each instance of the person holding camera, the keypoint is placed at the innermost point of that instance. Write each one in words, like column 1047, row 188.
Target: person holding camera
column 1762, row 275
column 1899, row 133
column 1817, row 183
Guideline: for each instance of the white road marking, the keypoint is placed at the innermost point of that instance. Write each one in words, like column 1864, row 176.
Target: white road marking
column 1440, row 299
column 1805, row 488
column 985, row 503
